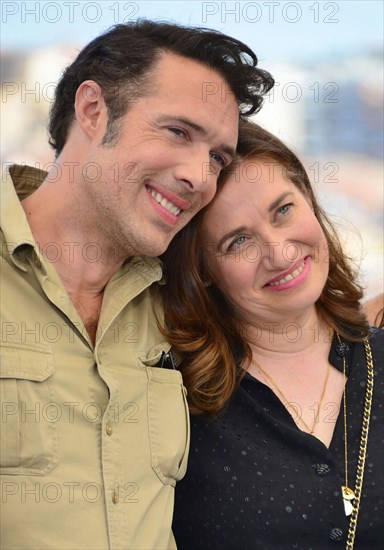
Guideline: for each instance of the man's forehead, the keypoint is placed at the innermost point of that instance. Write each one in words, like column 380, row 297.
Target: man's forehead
column 189, row 92
column 174, row 65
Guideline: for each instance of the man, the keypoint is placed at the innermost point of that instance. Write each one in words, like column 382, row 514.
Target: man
column 95, row 426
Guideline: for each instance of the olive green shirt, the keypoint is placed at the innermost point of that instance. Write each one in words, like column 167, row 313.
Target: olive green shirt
column 93, row 439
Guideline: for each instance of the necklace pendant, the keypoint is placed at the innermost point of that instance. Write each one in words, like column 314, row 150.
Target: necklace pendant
column 348, row 497
column 348, row 508
column 348, row 494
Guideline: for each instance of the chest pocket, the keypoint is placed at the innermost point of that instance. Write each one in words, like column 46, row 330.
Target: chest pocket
column 28, row 410
column 168, row 424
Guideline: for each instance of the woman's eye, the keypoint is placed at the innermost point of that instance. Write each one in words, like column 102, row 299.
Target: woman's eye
column 219, row 159
column 236, row 242
column 284, row 209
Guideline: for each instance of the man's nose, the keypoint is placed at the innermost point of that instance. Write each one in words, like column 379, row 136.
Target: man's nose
column 198, row 173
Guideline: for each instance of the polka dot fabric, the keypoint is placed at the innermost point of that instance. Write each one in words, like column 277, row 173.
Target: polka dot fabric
column 255, row 481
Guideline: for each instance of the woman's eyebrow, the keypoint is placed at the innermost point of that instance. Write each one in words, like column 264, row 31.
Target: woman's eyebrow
column 230, row 234
column 237, row 230
column 277, row 201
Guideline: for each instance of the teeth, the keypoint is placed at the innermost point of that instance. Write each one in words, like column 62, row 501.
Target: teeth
column 164, row 203
column 289, row 277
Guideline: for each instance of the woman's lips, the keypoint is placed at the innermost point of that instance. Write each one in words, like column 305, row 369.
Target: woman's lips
column 290, row 279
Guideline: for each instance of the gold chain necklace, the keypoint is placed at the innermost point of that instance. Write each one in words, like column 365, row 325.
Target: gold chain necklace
column 349, row 495
column 346, row 491
column 298, row 415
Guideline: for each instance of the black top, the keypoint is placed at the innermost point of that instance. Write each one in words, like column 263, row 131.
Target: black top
column 256, row 481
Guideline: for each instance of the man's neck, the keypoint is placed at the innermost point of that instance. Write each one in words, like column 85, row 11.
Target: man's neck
column 82, row 256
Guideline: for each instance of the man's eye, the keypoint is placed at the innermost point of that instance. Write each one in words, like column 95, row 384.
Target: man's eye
column 219, row 159
column 179, row 132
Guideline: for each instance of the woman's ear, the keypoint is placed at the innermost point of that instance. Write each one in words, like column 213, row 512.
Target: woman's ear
column 90, row 109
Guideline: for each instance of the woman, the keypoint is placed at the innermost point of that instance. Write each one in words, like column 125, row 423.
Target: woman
column 279, row 363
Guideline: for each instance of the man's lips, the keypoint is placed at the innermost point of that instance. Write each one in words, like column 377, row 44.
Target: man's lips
column 288, row 275
column 168, row 200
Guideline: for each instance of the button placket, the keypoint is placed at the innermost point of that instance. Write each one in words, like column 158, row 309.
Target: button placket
column 112, row 467
column 115, row 496
column 108, row 428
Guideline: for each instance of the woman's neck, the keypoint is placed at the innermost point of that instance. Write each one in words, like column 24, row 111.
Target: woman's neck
column 297, row 336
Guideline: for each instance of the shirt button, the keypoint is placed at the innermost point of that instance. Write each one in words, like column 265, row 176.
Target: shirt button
column 108, row 428
column 342, row 349
column 321, row 469
column 115, row 497
column 336, row 534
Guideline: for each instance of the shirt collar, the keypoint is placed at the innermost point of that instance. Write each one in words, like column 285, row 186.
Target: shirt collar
column 19, row 181
column 338, row 351
column 335, row 356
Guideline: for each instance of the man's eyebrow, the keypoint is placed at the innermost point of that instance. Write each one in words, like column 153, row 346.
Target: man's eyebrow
column 200, row 130
column 230, row 234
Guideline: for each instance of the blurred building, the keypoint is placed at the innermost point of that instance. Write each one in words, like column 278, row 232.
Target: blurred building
column 27, row 88
column 348, row 116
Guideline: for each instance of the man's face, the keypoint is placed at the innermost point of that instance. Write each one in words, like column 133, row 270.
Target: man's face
column 172, row 144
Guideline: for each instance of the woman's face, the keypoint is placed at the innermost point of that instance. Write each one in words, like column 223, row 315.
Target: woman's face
column 265, row 248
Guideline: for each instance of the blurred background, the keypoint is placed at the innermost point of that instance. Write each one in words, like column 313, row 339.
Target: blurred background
column 326, row 58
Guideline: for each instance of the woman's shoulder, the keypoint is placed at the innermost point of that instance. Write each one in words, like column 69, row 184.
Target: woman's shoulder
column 376, row 338
column 376, row 341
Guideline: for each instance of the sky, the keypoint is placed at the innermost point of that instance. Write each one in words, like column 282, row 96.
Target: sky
column 277, row 30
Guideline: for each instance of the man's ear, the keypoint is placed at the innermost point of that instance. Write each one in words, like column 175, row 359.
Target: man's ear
column 90, row 109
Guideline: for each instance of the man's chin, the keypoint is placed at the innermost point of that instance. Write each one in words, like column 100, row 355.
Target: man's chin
column 153, row 250
column 152, row 245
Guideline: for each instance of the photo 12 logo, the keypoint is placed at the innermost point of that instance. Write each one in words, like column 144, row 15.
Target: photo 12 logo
column 270, row 12
column 68, row 12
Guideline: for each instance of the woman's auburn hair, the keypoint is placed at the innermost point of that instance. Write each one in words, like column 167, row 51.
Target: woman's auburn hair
column 201, row 324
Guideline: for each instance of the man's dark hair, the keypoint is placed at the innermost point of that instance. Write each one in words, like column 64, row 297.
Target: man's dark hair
column 120, row 59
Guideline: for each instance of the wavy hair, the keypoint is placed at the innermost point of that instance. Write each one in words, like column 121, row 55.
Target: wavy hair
column 202, row 325
column 121, row 59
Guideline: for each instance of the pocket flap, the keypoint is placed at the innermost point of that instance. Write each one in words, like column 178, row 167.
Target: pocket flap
column 26, row 362
column 165, row 376
column 153, row 356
